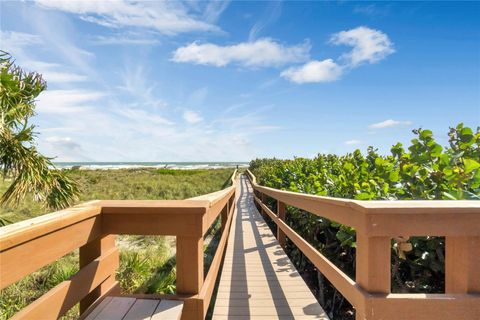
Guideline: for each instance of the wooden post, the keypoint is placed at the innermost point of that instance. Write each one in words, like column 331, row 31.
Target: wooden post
column 373, row 266
column 462, row 264
column 90, row 252
column 263, row 198
column 224, row 215
column 258, row 195
column 190, row 273
column 189, row 264
column 281, row 215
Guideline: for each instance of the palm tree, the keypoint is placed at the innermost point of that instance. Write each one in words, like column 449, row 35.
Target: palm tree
column 20, row 161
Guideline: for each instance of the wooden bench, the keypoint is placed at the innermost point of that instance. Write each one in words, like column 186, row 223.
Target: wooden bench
column 129, row 308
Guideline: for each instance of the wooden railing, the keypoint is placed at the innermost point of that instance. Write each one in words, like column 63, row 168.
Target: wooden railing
column 376, row 223
column 29, row 245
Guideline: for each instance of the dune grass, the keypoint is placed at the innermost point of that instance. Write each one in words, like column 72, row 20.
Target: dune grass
column 147, row 263
column 140, row 184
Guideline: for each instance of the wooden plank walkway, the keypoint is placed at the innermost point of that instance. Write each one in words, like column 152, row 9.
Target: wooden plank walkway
column 127, row 308
column 258, row 280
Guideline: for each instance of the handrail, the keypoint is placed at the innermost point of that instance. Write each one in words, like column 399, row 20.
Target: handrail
column 91, row 227
column 376, row 223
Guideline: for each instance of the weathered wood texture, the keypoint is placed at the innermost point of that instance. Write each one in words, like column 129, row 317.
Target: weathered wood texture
column 258, row 279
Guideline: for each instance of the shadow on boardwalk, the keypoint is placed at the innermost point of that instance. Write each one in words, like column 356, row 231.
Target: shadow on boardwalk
column 258, row 280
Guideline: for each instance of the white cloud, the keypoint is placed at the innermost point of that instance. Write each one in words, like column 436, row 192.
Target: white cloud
column 260, row 53
column 389, row 123
column 214, row 9
column 63, row 142
column 62, row 77
column 124, row 40
column 198, row 96
column 352, row 142
column 13, row 42
column 135, row 81
column 65, row 147
column 372, row 10
column 67, row 101
column 53, row 72
column 166, row 17
column 191, row 117
column 18, row 44
column 369, row 45
column 314, row 71
column 142, row 117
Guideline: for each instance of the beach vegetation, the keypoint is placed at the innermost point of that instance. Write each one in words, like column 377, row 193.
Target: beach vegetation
column 147, row 263
column 425, row 170
column 27, row 172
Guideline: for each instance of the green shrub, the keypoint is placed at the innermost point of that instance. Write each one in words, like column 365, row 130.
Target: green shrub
column 426, row 170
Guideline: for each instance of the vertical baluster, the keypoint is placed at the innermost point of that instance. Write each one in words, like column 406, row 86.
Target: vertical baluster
column 190, row 273
column 373, row 266
column 263, row 197
column 224, row 215
column 281, row 215
column 90, row 252
column 462, row 264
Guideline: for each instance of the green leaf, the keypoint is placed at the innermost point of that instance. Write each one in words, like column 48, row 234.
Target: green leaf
column 470, row 165
column 394, row 176
column 424, row 134
column 363, row 196
column 466, row 135
column 436, row 150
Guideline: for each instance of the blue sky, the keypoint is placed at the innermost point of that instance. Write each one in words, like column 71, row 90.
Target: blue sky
column 232, row 81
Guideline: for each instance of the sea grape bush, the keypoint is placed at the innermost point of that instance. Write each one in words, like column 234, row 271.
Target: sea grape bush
column 425, row 170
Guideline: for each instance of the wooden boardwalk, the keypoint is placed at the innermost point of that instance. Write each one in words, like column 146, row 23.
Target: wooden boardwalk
column 128, row 308
column 258, row 280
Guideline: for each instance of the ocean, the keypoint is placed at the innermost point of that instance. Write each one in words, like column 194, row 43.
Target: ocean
column 133, row 165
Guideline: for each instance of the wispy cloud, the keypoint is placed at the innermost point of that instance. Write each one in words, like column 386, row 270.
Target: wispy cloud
column 166, row 17
column 89, row 114
column 67, row 101
column 63, row 142
column 14, row 42
column 141, row 116
column 271, row 14
column 70, row 149
column 122, row 39
column 53, row 72
column 371, row 10
column 260, row 53
column 192, row 117
column 18, row 44
column 56, row 40
column 314, row 71
column 214, row 9
column 135, row 82
column 353, row 142
column 389, row 123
